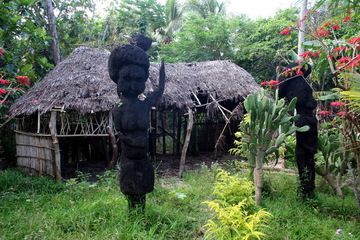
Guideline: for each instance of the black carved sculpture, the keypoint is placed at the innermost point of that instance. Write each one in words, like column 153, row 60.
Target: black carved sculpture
column 129, row 69
column 293, row 84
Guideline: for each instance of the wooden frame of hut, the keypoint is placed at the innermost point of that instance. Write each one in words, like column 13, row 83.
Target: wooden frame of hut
column 73, row 104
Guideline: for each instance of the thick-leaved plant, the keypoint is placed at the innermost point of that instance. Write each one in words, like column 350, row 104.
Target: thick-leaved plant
column 262, row 131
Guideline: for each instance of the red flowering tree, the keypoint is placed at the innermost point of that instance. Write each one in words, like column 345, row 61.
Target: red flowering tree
column 12, row 86
column 333, row 47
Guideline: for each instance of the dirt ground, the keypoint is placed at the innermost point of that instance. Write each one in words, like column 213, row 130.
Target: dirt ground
column 169, row 165
column 164, row 165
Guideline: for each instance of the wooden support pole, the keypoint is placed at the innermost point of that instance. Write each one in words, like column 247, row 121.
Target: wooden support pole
column 114, row 147
column 178, row 135
column 38, row 122
column 186, row 142
column 163, row 119
column 56, row 160
column 174, row 132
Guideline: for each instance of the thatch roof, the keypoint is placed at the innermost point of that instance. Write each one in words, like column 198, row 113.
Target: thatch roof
column 81, row 82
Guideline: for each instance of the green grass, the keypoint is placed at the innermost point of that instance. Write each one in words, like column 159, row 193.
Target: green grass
column 39, row 208
column 316, row 219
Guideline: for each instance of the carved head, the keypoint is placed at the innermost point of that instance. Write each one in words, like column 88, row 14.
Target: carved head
column 129, row 68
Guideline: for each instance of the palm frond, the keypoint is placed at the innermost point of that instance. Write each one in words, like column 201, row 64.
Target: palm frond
column 352, row 96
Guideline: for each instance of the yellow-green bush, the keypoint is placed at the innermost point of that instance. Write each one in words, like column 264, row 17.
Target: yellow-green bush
column 235, row 213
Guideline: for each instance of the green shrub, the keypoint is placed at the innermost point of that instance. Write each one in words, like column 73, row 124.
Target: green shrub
column 236, row 215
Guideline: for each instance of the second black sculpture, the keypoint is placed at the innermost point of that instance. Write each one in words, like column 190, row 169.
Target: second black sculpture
column 293, row 84
column 129, row 68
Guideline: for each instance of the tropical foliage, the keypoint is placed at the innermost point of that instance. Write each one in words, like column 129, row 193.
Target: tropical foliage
column 236, row 216
column 332, row 47
column 200, row 39
column 197, row 30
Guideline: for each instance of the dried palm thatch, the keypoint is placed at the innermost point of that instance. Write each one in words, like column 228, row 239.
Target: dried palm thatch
column 82, row 83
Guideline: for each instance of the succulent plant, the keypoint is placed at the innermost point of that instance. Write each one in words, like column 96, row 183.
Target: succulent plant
column 266, row 125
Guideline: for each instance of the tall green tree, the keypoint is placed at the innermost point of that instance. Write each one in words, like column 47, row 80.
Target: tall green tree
column 132, row 16
column 258, row 46
column 24, row 37
column 77, row 24
column 205, row 8
column 174, row 12
column 200, row 40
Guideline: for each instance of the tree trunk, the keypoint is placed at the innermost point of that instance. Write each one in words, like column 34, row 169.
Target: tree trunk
column 258, row 176
column 53, row 31
column 186, row 142
column 332, row 180
column 334, row 184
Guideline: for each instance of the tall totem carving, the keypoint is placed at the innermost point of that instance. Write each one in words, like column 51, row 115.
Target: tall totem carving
column 129, row 68
column 293, row 84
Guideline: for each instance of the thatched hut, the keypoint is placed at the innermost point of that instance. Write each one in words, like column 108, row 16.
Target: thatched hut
column 70, row 109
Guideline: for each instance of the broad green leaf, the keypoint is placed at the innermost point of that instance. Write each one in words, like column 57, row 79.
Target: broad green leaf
column 303, row 129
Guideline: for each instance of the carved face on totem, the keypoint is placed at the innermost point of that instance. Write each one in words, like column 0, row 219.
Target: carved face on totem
column 129, row 69
column 131, row 81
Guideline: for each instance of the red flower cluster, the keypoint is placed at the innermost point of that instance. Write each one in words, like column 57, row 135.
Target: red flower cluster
column 331, row 23
column 310, row 54
column 354, row 40
column 339, row 49
column 3, row 91
column 341, row 114
column 305, row 54
column 4, row 82
column 337, row 104
column 272, row 84
column 299, row 72
column 355, row 61
column 286, row 31
column 348, row 62
column 347, row 19
column 316, row 54
column 2, row 51
column 335, row 27
column 345, row 59
column 23, row 80
column 321, row 32
column 324, row 113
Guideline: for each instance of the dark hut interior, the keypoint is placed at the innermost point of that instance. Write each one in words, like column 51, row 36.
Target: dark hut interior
column 71, row 109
